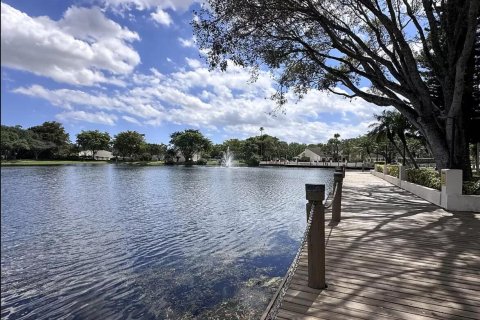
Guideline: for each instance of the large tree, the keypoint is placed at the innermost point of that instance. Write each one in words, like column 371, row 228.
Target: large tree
column 13, row 140
column 129, row 144
column 345, row 44
column 93, row 140
column 52, row 133
column 189, row 142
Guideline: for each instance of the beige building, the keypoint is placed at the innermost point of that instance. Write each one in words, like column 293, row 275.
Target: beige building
column 314, row 154
column 99, row 155
column 180, row 158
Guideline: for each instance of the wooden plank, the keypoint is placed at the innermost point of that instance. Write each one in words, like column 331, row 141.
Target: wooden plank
column 408, row 296
column 384, row 267
column 358, row 310
column 330, row 310
column 412, row 291
column 370, row 276
column 387, row 302
column 397, row 259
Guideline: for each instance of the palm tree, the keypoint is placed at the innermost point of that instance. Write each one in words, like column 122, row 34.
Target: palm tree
column 391, row 124
column 336, row 142
column 383, row 131
column 402, row 128
column 261, row 137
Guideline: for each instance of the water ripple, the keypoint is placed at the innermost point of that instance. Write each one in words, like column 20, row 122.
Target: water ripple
column 118, row 242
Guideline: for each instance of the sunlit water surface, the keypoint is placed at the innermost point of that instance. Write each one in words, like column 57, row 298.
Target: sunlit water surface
column 125, row 242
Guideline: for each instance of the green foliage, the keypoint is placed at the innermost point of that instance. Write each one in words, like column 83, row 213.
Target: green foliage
column 129, row 144
column 235, row 145
column 201, row 162
column 53, row 133
column 156, row 150
column 190, row 142
column 94, row 141
column 252, row 162
column 424, row 177
column 13, row 140
column 393, row 170
column 379, row 168
column 307, row 47
column 472, row 187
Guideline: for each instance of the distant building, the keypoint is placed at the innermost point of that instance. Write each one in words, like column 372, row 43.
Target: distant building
column 180, row 158
column 314, row 154
column 99, row 155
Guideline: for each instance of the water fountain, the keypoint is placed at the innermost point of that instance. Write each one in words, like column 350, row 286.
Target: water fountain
column 227, row 158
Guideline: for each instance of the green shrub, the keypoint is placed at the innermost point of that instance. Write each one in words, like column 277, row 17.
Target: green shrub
column 393, row 170
column 252, row 162
column 379, row 168
column 201, row 162
column 424, row 177
column 471, row 187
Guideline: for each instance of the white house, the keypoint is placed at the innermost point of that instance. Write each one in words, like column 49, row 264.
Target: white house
column 99, row 155
column 314, row 154
column 180, row 158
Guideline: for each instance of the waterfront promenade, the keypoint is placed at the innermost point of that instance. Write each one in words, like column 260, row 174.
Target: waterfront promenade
column 393, row 256
column 318, row 164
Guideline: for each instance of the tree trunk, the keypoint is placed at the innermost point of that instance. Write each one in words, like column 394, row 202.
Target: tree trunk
column 458, row 146
column 437, row 145
column 451, row 155
column 477, row 152
column 407, row 150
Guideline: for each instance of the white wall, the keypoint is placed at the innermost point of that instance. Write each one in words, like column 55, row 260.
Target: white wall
column 454, row 202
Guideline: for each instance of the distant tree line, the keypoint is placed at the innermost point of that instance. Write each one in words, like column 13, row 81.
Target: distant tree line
column 51, row 141
column 392, row 138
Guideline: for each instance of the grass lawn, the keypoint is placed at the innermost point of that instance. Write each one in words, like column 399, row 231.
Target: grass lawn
column 140, row 163
column 13, row 163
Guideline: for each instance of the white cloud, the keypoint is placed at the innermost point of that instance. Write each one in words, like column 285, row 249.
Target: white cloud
column 187, row 43
column 193, row 63
column 175, row 5
column 97, row 117
column 131, row 120
column 217, row 101
column 82, row 48
column 161, row 17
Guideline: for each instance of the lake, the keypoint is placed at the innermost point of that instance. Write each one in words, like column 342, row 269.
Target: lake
column 128, row 242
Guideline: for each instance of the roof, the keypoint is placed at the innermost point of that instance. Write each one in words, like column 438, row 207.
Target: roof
column 317, row 150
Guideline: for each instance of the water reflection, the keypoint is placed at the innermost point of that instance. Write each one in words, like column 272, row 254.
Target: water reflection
column 124, row 242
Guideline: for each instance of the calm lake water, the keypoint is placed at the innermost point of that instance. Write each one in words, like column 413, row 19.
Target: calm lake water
column 125, row 242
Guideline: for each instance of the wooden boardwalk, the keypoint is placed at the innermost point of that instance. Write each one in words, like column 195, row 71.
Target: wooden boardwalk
column 393, row 256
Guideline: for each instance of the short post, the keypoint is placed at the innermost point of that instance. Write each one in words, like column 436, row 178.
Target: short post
column 452, row 181
column 337, row 200
column 402, row 172
column 315, row 194
column 385, row 169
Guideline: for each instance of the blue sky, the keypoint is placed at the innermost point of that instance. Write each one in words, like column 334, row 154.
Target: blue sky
column 118, row 65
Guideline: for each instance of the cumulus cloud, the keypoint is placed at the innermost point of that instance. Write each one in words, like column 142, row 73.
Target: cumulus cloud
column 161, row 17
column 215, row 101
column 131, row 120
column 92, row 117
column 187, row 43
column 179, row 5
column 83, row 48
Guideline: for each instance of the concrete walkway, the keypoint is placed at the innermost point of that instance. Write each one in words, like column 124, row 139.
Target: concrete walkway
column 393, row 256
